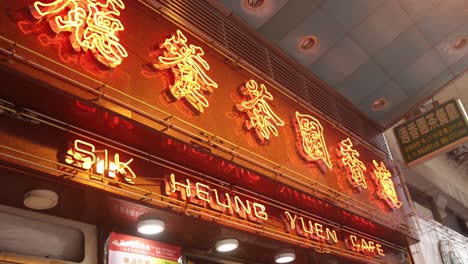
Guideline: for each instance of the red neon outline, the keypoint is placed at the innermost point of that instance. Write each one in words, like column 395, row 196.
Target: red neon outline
column 189, row 69
column 354, row 167
column 84, row 155
column 244, row 208
column 93, row 26
column 311, row 141
column 385, row 185
column 260, row 115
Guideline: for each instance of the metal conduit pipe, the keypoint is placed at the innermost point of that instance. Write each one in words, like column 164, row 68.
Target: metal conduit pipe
column 69, row 128
column 371, row 211
column 230, row 151
column 366, row 210
column 181, row 169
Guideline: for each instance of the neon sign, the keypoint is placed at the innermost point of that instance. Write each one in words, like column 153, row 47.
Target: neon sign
column 260, row 116
column 311, row 143
column 190, row 80
column 385, row 186
column 354, row 167
column 309, row 229
column 209, row 197
column 228, row 203
column 93, row 26
column 316, row 231
column 85, row 156
column 364, row 246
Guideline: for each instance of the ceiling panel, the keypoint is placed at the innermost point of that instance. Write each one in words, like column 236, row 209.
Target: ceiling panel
column 441, row 20
column 448, row 48
column 366, row 79
column 380, row 28
column 460, row 66
column 391, row 91
column 286, row 19
column 421, row 71
column 402, row 51
column 339, row 61
column 368, row 49
column 317, row 24
column 349, row 16
column 254, row 17
column 417, row 8
column 436, row 82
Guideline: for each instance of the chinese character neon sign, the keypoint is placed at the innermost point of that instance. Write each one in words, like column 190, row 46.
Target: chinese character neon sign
column 202, row 194
column 385, row 186
column 189, row 71
column 93, row 26
column 85, row 156
column 311, row 143
column 260, row 116
column 354, row 167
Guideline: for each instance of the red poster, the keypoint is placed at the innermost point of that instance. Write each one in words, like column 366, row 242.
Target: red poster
column 124, row 249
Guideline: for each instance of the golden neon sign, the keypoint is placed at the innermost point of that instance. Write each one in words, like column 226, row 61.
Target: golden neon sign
column 202, row 194
column 386, row 188
column 260, row 116
column 354, row 167
column 365, row 246
column 189, row 71
column 94, row 26
column 311, row 143
column 219, row 202
column 85, row 156
column 309, row 229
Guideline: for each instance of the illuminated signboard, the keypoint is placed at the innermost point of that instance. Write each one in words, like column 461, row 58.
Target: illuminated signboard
column 85, row 156
column 259, row 114
column 189, row 79
column 434, row 132
column 92, row 25
column 233, row 204
column 385, row 186
column 125, row 249
column 310, row 140
column 354, row 167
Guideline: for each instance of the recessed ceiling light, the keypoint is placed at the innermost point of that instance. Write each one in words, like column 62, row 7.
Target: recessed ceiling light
column 226, row 245
column 307, row 43
column 460, row 43
column 150, row 226
column 379, row 104
column 285, row 257
column 254, row 3
column 40, row 199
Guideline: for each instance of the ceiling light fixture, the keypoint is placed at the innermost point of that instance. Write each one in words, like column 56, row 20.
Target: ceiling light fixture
column 40, row 199
column 307, row 43
column 254, row 3
column 150, row 226
column 285, row 257
column 226, row 245
column 460, row 43
column 379, row 104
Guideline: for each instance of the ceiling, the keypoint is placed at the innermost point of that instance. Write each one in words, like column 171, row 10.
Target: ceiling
column 401, row 51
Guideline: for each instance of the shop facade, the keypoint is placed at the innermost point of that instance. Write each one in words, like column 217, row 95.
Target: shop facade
column 133, row 114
